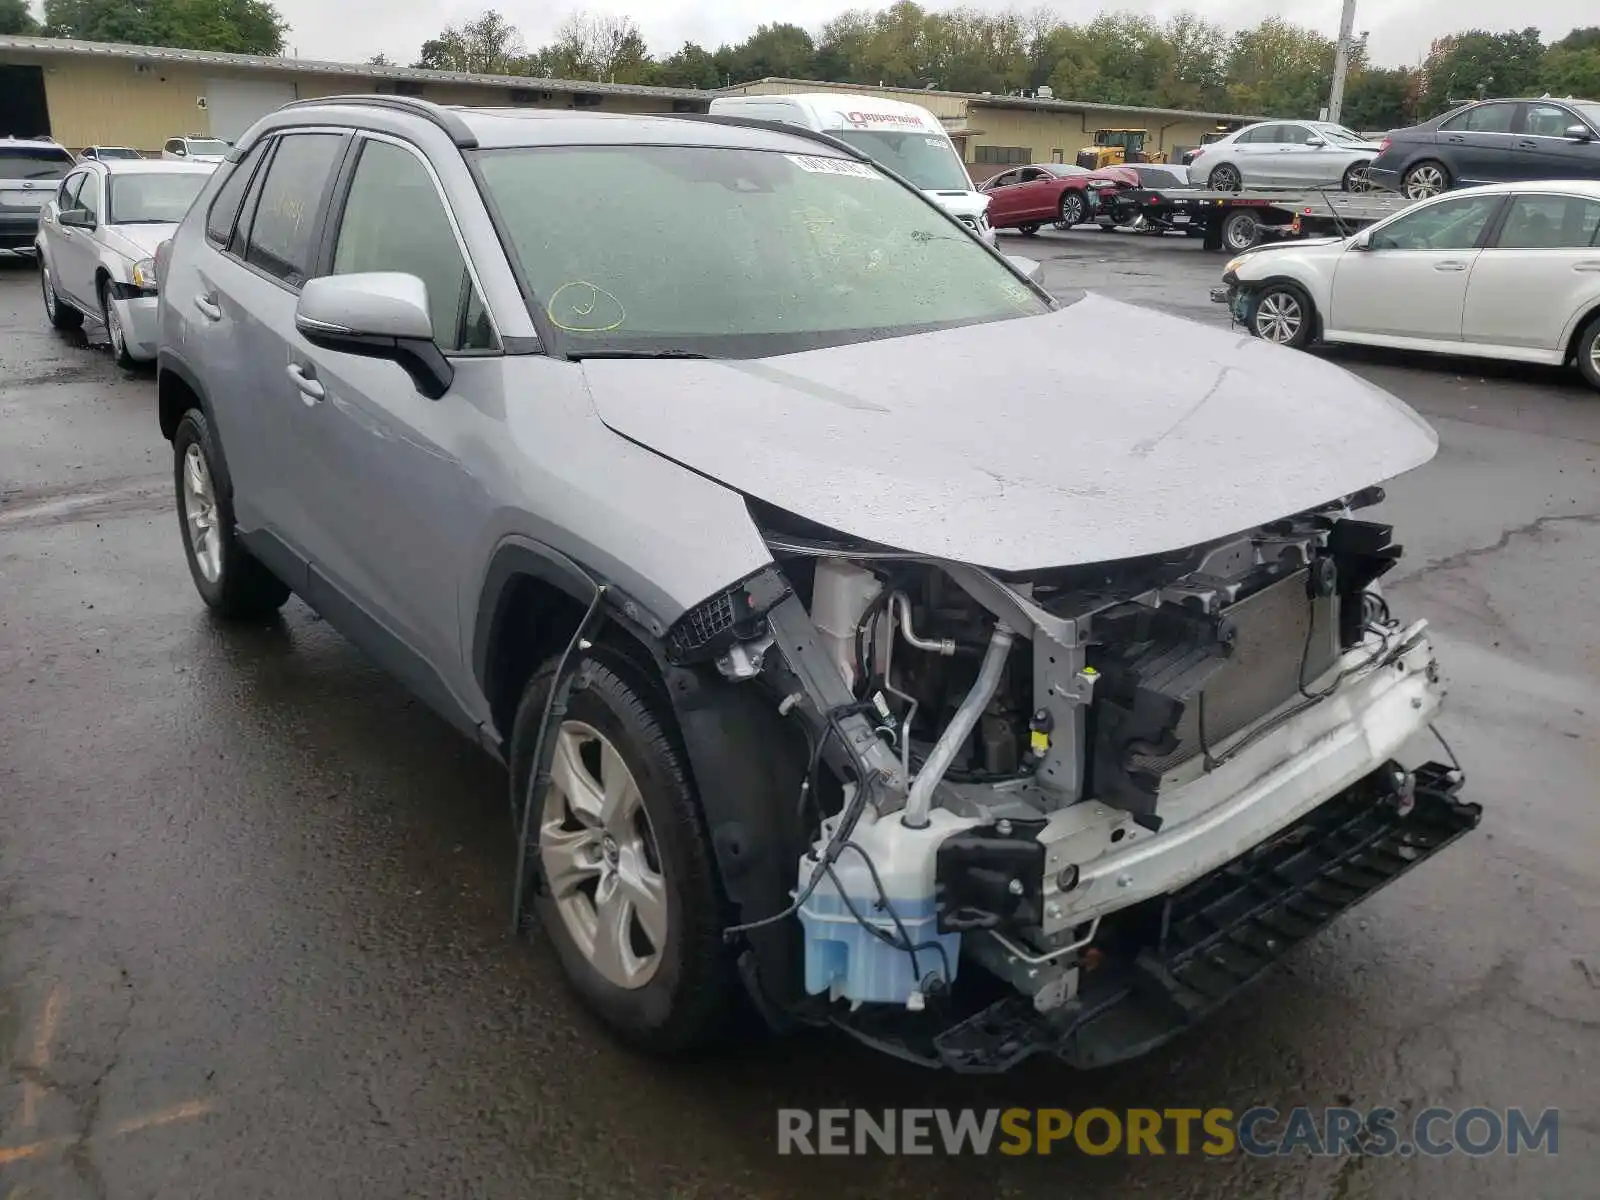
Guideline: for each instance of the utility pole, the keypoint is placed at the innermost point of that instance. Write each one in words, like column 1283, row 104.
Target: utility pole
column 1341, row 59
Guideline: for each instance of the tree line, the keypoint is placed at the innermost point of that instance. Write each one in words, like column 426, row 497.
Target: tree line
column 1186, row 61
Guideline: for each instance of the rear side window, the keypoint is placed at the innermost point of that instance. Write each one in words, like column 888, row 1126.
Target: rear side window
column 1262, row 133
column 1550, row 223
column 225, row 205
column 395, row 220
column 1483, row 118
column 34, row 162
column 282, row 232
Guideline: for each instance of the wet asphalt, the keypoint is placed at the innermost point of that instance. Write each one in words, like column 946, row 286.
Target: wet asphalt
column 253, row 898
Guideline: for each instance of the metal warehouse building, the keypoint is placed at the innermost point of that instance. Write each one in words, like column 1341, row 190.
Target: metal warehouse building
column 88, row 93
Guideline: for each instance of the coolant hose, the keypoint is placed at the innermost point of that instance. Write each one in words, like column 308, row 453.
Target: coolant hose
column 955, row 735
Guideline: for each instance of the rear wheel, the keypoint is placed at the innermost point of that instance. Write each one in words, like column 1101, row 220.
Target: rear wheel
column 1589, row 352
column 58, row 312
column 1072, row 209
column 1240, row 231
column 1355, row 178
column 1225, row 178
column 1282, row 314
column 627, row 889
column 1028, row 230
column 1426, row 179
column 229, row 579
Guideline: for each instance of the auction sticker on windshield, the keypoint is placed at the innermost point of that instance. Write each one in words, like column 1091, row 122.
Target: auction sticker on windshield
column 832, row 166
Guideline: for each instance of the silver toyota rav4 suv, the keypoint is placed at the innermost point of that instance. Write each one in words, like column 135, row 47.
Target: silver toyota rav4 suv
column 862, row 651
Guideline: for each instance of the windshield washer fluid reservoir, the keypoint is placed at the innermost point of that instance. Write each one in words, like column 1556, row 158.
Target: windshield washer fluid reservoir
column 842, row 957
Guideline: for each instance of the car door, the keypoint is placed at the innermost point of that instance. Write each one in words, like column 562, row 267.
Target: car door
column 77, row 253
column 1295, row 161
column 1003, row 198
column 244, row 325
column 51, row 232
column 1478, row 146
column 1410, row 281
column 384, row 467
column 1539, row 272
column 1255, row 153
column 1549, row 151
column 1037, row 194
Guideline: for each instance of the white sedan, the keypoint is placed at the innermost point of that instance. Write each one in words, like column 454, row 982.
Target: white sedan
column 1510, row 271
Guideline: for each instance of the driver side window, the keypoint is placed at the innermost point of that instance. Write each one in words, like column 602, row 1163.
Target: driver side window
column 67, row 197
column 1005, row 179
column 1456, row 224
column 88, row 197
column 394, row 220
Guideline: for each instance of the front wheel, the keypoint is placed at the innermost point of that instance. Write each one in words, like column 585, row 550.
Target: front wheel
column 1589, row 352
column 229, row 579
column 1282, row 314
column 114, row 331
column 1072, row 209
column 1424, row 180
column 1028, row 230
column 626, row 885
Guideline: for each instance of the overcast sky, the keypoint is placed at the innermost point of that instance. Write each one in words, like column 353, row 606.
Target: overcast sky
column 1400, row 29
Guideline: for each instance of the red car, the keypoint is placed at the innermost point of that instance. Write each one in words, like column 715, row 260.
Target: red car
column 1050, row 193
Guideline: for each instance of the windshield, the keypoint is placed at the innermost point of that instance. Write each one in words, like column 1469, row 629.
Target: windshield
column 1067, row 170
column 152, row 199
column 734, row 253
column 1339, row 133
column 104, row 152
column 206, row 146
column 926, row 159
column 34, row 162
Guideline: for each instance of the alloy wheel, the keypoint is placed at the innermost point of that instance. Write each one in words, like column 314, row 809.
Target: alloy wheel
column 600, row 859
column 1424, row 181
column 1226, row 179
column 1072, row 209
column 200, row 514
column 1278, row 318
column 49, row 289
column 114, row 331
column 1357, row 180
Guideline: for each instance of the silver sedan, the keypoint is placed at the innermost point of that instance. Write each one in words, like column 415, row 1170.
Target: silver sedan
column 97, row 242
column 1285, row 154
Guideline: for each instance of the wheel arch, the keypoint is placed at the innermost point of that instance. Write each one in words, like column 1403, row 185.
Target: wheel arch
column 177, row 391
column 1579, row 325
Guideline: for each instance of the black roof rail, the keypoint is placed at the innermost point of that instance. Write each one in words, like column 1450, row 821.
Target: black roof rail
column 444, row 118
column 802, row 131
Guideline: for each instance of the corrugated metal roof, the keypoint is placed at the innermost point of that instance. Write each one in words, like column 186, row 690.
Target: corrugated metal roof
column 312, row 66
column 999, row 100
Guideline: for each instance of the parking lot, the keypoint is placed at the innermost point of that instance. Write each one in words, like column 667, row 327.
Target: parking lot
column 254, row 898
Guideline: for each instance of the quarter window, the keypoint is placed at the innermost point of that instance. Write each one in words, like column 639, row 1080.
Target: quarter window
column 282, row 234
column 395, row 220
column 1455, row 224
column 1483, row 118
column 1550, row 223
column 224, row 209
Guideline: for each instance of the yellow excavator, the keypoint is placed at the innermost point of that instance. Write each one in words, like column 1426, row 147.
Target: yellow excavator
column 1113, row 147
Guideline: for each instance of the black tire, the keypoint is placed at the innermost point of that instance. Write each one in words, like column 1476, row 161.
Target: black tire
column 1424, row 179
column 689, row 1001
column 1589, row 352
column 1355, row 178
column 1028, row 230
column 1275, row 306
column 1073, row 209
column 243, row 588
column 1225, row 177
column 57, row 311
column 114, row 331
column 1241, row 229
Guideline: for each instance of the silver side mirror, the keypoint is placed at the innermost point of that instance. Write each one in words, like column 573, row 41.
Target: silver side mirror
column 1580, row 133
column 377, row 314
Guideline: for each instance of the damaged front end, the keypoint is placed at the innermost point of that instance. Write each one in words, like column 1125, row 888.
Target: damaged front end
column 1068, row 810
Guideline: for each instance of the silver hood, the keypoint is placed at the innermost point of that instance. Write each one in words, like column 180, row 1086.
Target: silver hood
column 137, row 241
column 1026, row 443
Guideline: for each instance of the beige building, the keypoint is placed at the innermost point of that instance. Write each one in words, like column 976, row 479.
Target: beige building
column 994, row 131
column 89, row 93
column 100, row 93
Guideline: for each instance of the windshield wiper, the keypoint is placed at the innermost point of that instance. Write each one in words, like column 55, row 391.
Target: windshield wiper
column 583, row 354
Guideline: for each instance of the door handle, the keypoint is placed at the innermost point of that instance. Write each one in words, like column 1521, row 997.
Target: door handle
column 1525, row 144
column 1456, row 139
column 1450, row 266
column 310, row 390
column 208, row 306
column 1587, row 265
